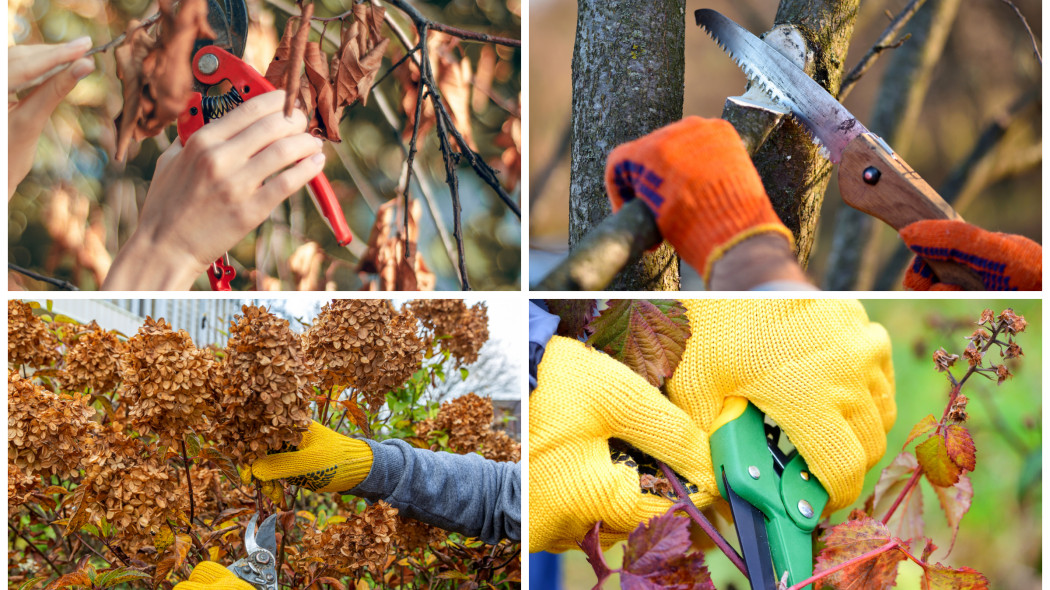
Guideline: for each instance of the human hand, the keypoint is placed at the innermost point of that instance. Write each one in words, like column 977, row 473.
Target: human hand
column 818, row 368
column 701, row 186
column 40, row 66
column 583, row 398
column 325, row 461
column 1005, row 262
column 208, row 575
column 207, row 195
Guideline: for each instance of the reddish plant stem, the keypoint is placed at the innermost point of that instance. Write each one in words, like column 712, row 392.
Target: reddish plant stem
column 189, row 483
column 891, row 544
column 685, row 503
column 914, row 481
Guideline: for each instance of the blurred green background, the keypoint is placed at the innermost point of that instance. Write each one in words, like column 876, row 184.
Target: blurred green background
column 1001, row 536
column 76, row 207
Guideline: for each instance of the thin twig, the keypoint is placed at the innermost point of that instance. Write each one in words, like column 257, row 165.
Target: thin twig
column 419, row 20
column 453, row 187
column 686, row 503
column 35, row 548
column 885, row 42
column 65, row 285
column 1031, row 35
column 153, row 18
column 189, row 483
column 422, row 47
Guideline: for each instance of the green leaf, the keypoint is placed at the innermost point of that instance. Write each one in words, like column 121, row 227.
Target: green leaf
column 32, row 583
column 119, row 575
column 64, row 319
column 50, row 305
column 647, row 336
column 193, row 445
column 574, row 315
column 463, row 373
column 933, row 457
column 440, row 372
column 955, row 501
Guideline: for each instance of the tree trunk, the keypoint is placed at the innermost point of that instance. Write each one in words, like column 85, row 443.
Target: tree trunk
column 628, row 79
column 793, row 171
column 897, row 107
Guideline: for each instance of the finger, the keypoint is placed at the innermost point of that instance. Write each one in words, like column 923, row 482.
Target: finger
column 278, row 156
column 27, row 63
column 284, row 184
column 39, row 105
column 208, row 571
column 244, row 116
column 169, row 155
column 262, row 134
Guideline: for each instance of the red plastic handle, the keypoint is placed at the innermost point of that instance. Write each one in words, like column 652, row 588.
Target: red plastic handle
column 250, row 84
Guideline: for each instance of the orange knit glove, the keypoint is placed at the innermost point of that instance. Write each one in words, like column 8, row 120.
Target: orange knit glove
column 700, row 184
column 1005, row 262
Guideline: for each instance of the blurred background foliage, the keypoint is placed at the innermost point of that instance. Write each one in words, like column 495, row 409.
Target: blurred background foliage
column 76, row 207
column 1001, row 536
column 987, row 65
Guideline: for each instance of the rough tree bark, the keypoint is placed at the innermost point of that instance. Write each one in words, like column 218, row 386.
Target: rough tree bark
column 793, row 171
column 897, row 107
column 628, row 78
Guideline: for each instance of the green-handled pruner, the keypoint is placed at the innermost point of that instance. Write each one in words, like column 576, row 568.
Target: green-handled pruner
column 776, row 501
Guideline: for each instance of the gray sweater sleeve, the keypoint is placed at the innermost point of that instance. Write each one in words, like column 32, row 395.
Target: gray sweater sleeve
column 463, row 493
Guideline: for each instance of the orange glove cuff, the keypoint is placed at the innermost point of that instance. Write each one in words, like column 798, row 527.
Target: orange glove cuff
column 1005, row 262
column 700, row 184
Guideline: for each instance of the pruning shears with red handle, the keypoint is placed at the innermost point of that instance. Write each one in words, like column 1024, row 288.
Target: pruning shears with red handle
column 216, row 62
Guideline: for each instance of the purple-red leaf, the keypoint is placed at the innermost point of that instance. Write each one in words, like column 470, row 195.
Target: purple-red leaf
column 855, row 538
column 657, row 557
column 955, row 501
column 941, row 577
column 575, row 314
column 592, row 548
column 933, row 457
column 907, row 521
column 647, row 336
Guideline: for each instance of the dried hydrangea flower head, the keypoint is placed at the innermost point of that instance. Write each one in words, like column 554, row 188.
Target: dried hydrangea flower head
column 468, row 422
column 414, row 534
column 133, row 487
column 365, row 344
column 466, row 328
column 167, row 382
column 361, row 543
column 94, row 361
column 29, row 341
column 19, row 486
column 47, row 433
column 264, row 379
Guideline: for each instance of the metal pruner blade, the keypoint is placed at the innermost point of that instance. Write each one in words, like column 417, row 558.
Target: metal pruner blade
column 259, row 568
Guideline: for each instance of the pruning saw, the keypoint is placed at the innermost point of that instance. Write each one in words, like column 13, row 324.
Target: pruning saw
column 775, row 500
column 872, row 178
column 217, row 63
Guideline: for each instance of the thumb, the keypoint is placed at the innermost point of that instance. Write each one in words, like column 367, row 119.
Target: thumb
column 38, row 106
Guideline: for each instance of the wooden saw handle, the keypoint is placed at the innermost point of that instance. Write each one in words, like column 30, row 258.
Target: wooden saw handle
column 875, row 181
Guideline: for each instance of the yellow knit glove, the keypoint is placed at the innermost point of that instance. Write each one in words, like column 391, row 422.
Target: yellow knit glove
column 325, row 461
column 818, row 368
column 583, row 398
column 209, row 575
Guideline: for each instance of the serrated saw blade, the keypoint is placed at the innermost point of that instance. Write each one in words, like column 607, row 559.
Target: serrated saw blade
column 826, row 119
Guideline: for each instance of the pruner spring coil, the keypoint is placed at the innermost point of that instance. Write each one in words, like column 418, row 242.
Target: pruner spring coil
column 213, row 107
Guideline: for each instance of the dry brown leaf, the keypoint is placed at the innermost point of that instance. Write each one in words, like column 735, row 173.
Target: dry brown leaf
column 385, row 256
column 360, row 55
column 326, row 117
column 156, row 73
column 278, row 68
column 453, row 77
column 509, row 163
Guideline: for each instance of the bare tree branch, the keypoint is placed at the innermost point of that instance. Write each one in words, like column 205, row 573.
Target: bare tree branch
column 1031, row 35
column 886, row 41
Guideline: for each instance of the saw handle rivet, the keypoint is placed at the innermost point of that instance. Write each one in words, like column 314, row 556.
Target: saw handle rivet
column 754, row 472
column 805, row 509
column 804, row 475
column 871, row 175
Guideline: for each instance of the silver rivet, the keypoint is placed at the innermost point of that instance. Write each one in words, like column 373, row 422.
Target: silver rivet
column 804, row 475
column 754, row 472
column 208, row 64
column 805, row 509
